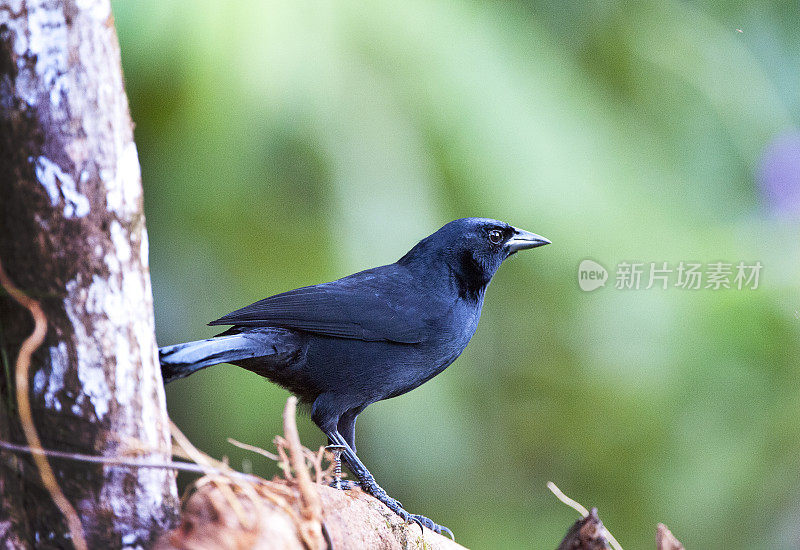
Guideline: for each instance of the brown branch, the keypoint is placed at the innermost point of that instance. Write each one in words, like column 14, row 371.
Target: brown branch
column 22, row 382
column 352, row 519
column 290, row 512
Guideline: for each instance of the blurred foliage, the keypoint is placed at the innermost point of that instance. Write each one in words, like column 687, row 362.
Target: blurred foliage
column 289, row 143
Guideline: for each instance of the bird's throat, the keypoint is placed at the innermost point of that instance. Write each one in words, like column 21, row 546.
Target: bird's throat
column 470, row 278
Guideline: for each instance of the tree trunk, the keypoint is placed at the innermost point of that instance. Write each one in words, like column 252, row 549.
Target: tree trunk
column 72, row 236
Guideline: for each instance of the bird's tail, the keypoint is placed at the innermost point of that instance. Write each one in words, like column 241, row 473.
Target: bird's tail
column 181, row 360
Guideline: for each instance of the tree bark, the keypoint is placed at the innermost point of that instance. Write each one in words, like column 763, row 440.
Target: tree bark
column 352, row 520
column 72, row 236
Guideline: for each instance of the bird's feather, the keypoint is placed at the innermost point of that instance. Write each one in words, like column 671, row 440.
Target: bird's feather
column 360, row 307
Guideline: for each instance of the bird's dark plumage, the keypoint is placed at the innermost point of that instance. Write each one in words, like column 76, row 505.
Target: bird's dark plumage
column 369, row 306
column 343, row 345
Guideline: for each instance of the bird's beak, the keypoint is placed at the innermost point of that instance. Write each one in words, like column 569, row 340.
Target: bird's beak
column 522, row 239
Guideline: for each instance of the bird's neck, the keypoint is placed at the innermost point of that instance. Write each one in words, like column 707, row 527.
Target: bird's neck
column 459, row 271
column 468, row 278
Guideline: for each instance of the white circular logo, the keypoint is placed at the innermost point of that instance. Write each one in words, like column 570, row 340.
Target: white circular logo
column 591, row 275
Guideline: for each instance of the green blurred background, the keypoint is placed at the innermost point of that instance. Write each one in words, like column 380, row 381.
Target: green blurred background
column 288, row 143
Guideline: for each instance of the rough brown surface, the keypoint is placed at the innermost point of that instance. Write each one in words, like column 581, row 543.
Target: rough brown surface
column 586, row 534
column 72, row 235
column 665, row 540
column 352, row 520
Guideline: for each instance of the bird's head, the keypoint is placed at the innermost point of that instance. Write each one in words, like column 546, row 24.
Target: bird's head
column 472, row 248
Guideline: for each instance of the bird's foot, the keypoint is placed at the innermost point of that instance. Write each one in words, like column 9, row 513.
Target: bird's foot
column 370, row 486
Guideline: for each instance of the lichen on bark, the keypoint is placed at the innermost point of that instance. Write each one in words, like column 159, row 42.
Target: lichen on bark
column 72, row 235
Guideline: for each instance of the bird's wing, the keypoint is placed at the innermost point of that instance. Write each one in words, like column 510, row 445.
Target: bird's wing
column 374, row 305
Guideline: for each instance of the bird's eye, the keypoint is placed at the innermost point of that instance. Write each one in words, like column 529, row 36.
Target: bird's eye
column 496, row 236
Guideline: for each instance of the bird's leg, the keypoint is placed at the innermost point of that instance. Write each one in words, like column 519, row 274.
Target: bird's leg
column 336, row 451
column 369, row 485
column 346, row 426
column 338, row 482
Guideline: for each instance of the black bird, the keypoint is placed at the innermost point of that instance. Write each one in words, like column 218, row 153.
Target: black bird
column 343, row 345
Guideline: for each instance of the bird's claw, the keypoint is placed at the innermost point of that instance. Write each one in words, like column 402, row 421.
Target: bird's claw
column 422, row 521
column 411, row 519
column 443, row 529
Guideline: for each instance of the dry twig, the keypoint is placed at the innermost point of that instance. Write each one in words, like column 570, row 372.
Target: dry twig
column 29, row 346
column 221, row 482
column 253, row 448
column 592, row 520
column 311, row 531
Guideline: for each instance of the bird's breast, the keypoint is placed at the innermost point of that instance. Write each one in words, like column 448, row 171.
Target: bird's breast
column 455, row 331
